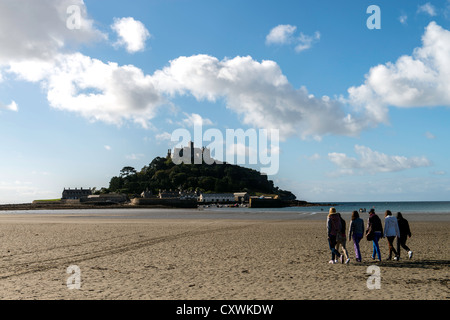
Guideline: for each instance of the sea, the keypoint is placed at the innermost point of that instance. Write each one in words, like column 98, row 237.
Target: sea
column 393, row 206
column 416, row 207
column 412, row 209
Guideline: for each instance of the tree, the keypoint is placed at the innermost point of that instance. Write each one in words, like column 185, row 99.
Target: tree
column 162, row 173
column 115, row 184
column 127, row 171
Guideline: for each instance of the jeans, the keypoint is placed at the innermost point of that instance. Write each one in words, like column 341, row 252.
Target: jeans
column 332, row 244
column 356, row 239
column 376, row 247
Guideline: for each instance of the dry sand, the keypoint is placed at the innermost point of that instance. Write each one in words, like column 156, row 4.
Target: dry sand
column 206, row 259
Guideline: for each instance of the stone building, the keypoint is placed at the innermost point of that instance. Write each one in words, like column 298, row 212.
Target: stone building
column 74, row 194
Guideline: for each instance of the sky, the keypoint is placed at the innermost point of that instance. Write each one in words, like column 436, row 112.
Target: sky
column 360, row 95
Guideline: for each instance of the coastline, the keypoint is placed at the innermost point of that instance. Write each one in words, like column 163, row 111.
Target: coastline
column 167, row 205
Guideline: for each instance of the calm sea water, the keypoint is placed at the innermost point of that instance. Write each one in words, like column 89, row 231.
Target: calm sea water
column 414, row 210
column 394, row 206
column 380, row 207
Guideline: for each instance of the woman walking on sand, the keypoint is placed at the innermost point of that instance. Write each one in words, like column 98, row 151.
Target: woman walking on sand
column 333, row 228
column 341, row 240
column 375, row 230
column 405, row 232
column 356, row 233
column 391, row 231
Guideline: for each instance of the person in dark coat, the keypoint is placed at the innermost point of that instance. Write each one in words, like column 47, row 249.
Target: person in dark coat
column 333, row 228
column 405, row 232
column 375, row 226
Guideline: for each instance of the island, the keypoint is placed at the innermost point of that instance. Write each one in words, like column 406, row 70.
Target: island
column 164, row 184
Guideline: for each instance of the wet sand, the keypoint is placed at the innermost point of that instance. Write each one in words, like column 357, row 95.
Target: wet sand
column 209, row 257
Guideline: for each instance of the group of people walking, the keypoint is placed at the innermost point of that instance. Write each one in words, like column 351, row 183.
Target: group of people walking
column 394, row 227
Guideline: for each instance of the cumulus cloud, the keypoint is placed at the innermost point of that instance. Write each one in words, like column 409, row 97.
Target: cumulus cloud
column 259, row 93
column 37, row 46
column 96, row 90
column 281, row 34
column 284, row 34
column 132, row 34
column 419, row 80
column 38, row 30
column 372, row 162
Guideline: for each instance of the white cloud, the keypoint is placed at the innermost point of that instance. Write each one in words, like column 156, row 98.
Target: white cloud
column 195, row 119
column 38, row 29
column 419, row 80
column 11, row 107
column 281, row 34
column 35, row 46
column 107, row 148
column 259, row 93
column 165, row 136
column 427, row 8
column 131, row 33
column 372, row 162
column 96, row 90
column 439, row 173
column 284, row 34
column 305, row 42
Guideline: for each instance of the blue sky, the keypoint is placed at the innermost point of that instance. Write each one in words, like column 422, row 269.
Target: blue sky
column 362, row 113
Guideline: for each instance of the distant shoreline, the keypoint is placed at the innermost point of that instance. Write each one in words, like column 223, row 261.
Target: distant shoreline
column 63, row 206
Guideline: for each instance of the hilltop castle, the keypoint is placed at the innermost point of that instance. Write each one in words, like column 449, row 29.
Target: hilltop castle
column 191, row 155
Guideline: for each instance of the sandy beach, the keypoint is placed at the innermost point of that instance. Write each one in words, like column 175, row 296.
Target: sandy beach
column 209, row 258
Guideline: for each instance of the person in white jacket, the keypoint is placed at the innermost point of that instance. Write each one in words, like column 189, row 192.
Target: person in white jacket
column 391, row 231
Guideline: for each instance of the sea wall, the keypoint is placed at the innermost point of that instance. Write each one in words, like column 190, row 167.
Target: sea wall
column 173, row 203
